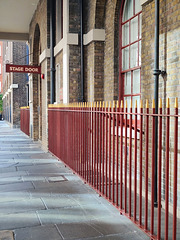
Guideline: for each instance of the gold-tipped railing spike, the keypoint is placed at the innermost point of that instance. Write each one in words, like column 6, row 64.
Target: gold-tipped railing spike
column 100, row 104
column 97, row 104
column 114, row 105
column 136, row 104
column 122, row 104
column 147, row 103
column 167, row 103
column 103, row 104
column 141, row 103
column 160, row 103
column 106, row 104
column 110, row 105
column 117, row 104
column 176, row 103
column 153, row 103
column 126, row 106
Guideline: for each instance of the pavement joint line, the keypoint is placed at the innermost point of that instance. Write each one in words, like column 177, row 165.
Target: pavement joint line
column 58, row 231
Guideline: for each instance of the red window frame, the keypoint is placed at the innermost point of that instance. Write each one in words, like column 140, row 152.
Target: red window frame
column 130, row 69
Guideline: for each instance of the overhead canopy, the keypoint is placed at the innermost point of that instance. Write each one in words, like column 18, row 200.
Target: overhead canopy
column 15, row 17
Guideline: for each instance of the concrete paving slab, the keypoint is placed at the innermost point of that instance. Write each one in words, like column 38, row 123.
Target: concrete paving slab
column 6, row 235
column 59, row 201
column 78, row 231
column 6, row 180
column 23, row 205
column 16, row 186
column 18, row 220
column 14, row 196
column 38, row 233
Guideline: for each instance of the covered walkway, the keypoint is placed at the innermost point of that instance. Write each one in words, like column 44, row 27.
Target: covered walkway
column 41, row 199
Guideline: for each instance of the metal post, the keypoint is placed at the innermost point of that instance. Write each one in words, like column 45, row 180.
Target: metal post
column 157, row 72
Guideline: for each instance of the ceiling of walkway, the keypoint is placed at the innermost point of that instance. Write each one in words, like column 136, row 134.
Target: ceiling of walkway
column 15, row 17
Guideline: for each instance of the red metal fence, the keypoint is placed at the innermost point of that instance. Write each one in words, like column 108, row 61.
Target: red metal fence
column 112, row 149
column 25, row 118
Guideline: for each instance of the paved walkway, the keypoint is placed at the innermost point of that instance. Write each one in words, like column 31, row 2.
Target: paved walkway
column 41, row 199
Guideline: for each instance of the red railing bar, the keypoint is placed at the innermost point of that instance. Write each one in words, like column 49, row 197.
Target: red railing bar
column 167, row 172
column 113, row 157
column 100, row 148
column 97, row 147
column 140, row 163
column 103, row 144
column 130, row 159
column 175, row 170
column 125, row 162
column 106, row 148
column 159, row 171
column 152, row 172
column 109, row 160
column 117, row 155
column 146, row 167
column 121, row 157
column 135, row 163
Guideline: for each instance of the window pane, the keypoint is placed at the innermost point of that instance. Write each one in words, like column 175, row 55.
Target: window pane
column 125, row 58
column 127, row 83
column 136, row 81
column 134, row 55
column 138, row 7
column 140, row 25
column 134, row 99
column 134, row 29
column 128, row 99
column 128, row 10
column 139, row 53
column 125, row 34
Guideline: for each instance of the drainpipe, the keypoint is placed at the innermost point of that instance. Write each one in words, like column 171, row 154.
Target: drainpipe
column 52, row 45
column 82, row 52
column 156, row 73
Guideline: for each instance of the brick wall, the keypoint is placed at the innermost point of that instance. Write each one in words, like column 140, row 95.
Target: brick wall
column 19, row 94
column 39, row 41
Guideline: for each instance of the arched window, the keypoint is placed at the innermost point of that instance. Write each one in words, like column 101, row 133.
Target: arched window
column 130, row 51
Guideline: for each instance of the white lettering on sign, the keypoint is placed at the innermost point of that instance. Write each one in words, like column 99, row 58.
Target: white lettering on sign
column 31, row 70
column 19, row 69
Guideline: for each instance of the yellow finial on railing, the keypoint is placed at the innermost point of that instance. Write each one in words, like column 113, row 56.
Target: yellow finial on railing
column 106, row 104
column 136, row 104
column 147, row 103
column 160, row 103
column 167, row 103
column 121, row 103
column 153, row 103
column 103, row 105
column 100, row 104
column 110, row 104
column 126, row 104
column 117, row 104
column 141, row 103
column 176, row 103
column 94, row 104
column 114, row 105
column 97, row 104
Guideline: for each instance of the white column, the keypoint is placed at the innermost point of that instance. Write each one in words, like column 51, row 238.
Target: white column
column 65, row 52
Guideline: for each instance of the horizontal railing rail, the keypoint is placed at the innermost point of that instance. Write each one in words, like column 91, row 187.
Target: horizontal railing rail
column 112, row 148
column 25, row 120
